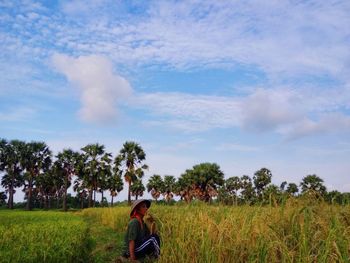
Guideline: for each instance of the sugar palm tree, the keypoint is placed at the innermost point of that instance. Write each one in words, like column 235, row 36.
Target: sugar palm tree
column 11, row 162
column 91, row 167
column 115, row 183
column 233, row 184
column 130, row 162
column 46, row 186
column 313, row 183
column 292, row 189
column 168, row 187
column 182, row 188
column 36, row 160
column 105, row 172
column 261, row 179
column 66, row 165
column 155, row 185
column 248, row 193
column 80, row 188
column 137, row 188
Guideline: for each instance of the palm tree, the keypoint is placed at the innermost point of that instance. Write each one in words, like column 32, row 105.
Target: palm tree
column 182, row 188
column 292, row 189
column 137, row 188
column 155, row 185
column 104, row 174
column 248, row 193
column 91, row 168
column 313, row 183
column 66, row 164
column 261, row 179
column 130, row 162
column 233, row 184
column 36, row 160
column 11, row 160
column 80, row 188
column 46, row 186
column 168, row 187
column 115, row 184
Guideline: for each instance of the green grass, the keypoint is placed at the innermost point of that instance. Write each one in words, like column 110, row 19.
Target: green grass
column 296, row 232
column 106, row 243
column 40, row 236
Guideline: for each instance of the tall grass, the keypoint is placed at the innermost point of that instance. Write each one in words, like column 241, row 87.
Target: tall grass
column 295, row 232
column 42, row 237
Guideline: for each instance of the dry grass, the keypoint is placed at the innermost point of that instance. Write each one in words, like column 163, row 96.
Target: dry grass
column 297, row 232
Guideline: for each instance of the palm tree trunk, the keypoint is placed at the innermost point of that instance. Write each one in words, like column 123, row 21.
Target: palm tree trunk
column 41, row 200
column 129, row 194
column 112, row 201
column 102, row 198
column 65, row 196
column 10, row 202
column 90, row 198
column 94, row 198
column 46, row 202
column 82, row 202
column 29, row 197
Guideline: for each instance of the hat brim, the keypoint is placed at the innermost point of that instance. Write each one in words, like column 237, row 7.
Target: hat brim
column 138, row 202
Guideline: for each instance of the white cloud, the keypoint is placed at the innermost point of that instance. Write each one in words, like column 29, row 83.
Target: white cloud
column 279, row 37
column 266, row 110
column 326, row 123
column 285, row 111
column 100, row 87
column 282, row 40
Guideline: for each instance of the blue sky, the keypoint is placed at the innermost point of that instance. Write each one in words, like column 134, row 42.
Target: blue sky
column 243, row 84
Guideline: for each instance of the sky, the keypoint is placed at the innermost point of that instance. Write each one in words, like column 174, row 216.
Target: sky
column 244, row 84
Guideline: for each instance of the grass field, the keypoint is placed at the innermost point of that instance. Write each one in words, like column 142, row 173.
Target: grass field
column 296, row 232
column 201, row 233
column 40, row 236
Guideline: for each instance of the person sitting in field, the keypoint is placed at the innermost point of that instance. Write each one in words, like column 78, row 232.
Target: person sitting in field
column 139, row 241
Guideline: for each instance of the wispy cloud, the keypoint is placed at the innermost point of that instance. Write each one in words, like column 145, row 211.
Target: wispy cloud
column 191, row 113
column 17, row 114
column 283, row 111
column 278, row 37
column 284, row 40
column 100, row 87
column 326, row 123
column 236, row 147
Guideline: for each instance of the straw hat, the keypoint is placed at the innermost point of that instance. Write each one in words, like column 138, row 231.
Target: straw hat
column 137, row 202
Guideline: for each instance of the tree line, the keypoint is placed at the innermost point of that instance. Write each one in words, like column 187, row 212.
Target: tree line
column 45, row 178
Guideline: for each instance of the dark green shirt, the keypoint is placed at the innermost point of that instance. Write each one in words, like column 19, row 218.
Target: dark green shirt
column 135, row 232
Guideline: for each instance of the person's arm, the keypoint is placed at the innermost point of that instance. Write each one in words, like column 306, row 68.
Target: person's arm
column 132, row 249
